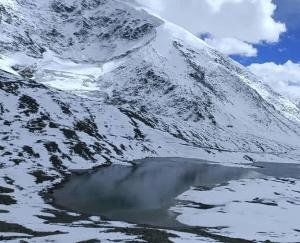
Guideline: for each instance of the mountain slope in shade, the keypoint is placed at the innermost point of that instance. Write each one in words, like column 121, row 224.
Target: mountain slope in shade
column 91, row 82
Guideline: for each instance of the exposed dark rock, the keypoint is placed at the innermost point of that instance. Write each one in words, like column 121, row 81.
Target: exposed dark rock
column 52, row 147
column 29, row 150
column 41, row 176
column 248, row 158
column 92, row 4
column 70, row 134
column 17, row 161
column 7, row 153
column 28, row 105
column 64, row 107
column 53, row 125
column 130, row 33
column 27, row 72
column 2, row 110
column 7, row 200
column 9, row 87
column 89, row 127
column 16, row 228
column 57, row 162
column 262, row 201
column 150, row 235
column 8, row 180
column 59, row 7
column 55, row 33
column 82, row 150
column 36, row 125
column 7, row 123
column 6, row 190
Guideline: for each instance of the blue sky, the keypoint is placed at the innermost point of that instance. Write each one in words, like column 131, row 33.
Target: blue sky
column 263, row 35
column 288, row 48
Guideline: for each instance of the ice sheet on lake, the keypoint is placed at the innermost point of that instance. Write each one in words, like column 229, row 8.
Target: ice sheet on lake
column 260, row 209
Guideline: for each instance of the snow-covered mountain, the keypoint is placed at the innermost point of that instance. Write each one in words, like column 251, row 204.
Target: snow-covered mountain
column 87, row 82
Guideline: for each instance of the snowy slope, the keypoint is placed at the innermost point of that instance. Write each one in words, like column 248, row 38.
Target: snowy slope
column 91, row 82
column 135, row 60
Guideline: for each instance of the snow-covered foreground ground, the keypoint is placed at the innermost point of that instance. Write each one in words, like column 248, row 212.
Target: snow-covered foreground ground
column 255, row 209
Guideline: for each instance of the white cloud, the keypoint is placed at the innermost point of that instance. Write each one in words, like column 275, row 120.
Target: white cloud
column 232, row 46
column 248, row 21
column 284, row 79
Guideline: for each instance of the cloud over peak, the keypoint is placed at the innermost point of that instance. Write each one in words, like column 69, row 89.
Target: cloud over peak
column 283, row 78
column 227, row 21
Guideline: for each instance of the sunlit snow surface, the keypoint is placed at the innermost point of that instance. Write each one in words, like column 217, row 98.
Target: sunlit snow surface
column 63, row 74
column 257, row 209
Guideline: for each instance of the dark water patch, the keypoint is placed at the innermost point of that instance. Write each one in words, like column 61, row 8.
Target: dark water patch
column 279, row 170
column 142, row 193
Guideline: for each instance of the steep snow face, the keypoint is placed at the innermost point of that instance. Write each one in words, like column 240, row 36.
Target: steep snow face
column 113, row 53
column 82, row 30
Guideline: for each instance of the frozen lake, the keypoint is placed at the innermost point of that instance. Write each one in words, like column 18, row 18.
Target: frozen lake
column 166, row 192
